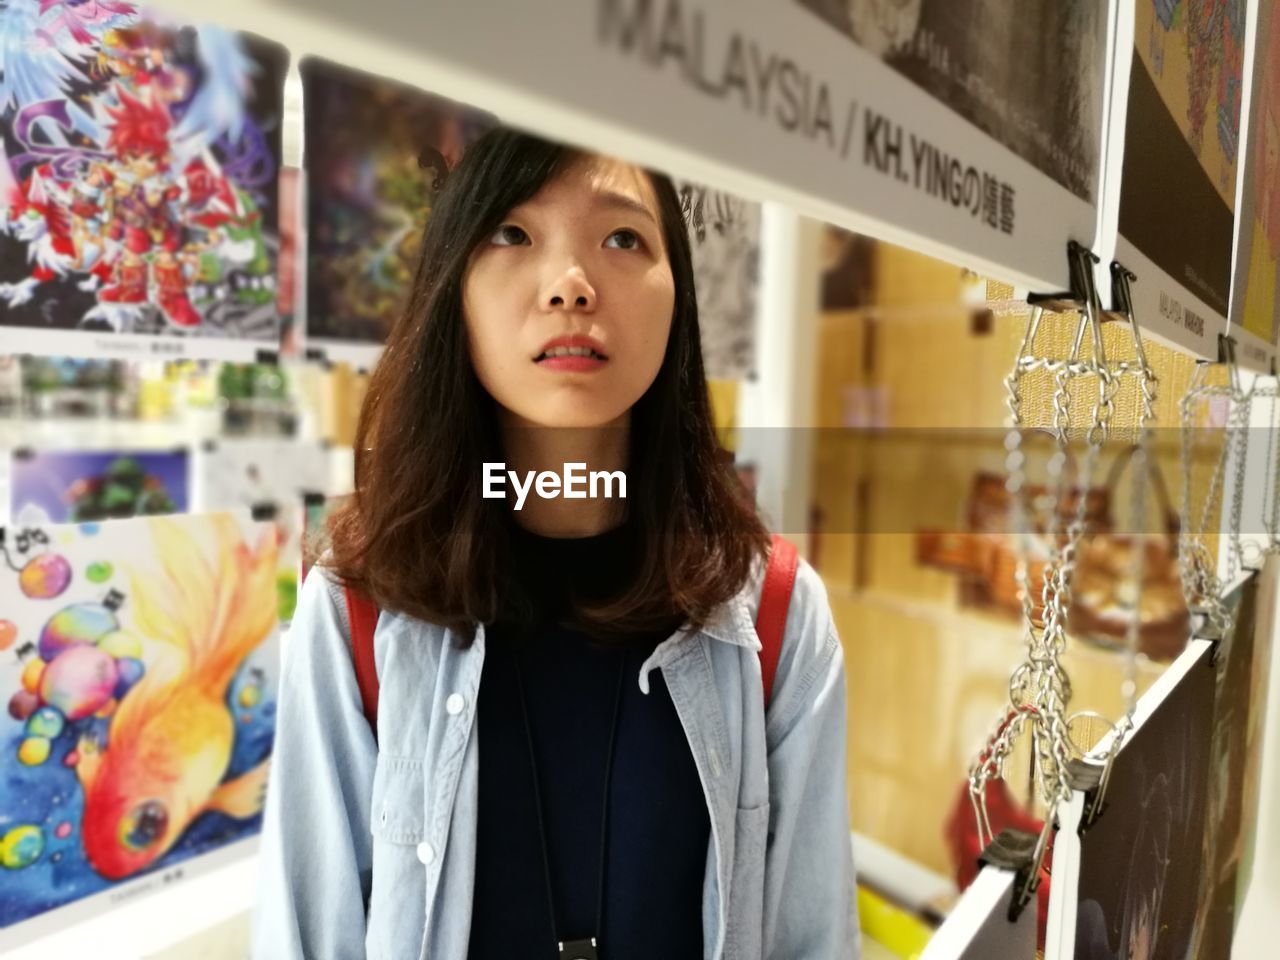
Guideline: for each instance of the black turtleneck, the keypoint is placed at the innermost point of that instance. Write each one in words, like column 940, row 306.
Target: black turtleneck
column 658, row 830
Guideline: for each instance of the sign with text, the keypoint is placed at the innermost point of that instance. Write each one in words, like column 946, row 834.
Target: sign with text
column 953, row 128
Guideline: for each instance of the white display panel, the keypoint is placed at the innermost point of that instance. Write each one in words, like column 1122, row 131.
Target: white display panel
column 978, row 927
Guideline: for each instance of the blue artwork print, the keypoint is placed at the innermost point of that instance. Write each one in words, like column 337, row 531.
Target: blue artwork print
column 138, row 660
column 75, row 486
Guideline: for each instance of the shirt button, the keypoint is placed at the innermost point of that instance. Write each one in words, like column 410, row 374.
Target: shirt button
column 426, row 853
column 454, row 704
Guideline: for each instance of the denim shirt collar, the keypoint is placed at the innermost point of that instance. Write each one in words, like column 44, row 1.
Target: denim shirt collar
column 731, row 623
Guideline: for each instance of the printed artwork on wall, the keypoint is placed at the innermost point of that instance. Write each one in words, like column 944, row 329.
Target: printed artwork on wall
column 724, row 232
column 138, row 178
column 1182, row 133
column 138, row 659
column 272, row 476
column 1139, row 875
column 1000, row 67
column 291, row 234
column 248, row 473
column 376, row 152
column 1255, row 296
column 72, row 486
column 1237, row 732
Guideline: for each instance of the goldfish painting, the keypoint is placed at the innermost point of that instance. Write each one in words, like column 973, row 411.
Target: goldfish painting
column 141, row 700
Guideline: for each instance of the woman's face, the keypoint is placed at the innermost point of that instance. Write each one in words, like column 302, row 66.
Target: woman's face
column 569, row 303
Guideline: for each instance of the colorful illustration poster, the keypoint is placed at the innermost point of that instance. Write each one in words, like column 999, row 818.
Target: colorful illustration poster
column 724, row 232
column 999, row 66
column 138, row 183
column 139, row 662
column 74, row 486
column 1139, row 868
column 1255, row 296
column 290, row 272
column 1181, row 153
column 271, row 478
column 375, row 153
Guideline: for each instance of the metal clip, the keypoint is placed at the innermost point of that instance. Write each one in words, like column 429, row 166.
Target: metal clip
column 1030, row 882
column 1083, row 294
column 1015, row 851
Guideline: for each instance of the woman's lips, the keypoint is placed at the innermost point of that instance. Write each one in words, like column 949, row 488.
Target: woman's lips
column 572, row 363
column 573, row 353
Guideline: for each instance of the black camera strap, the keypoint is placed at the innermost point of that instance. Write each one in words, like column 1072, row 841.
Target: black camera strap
column 585, row 949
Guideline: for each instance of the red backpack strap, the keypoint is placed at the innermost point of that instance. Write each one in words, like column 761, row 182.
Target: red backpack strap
column 362, row 616
column 775, row 600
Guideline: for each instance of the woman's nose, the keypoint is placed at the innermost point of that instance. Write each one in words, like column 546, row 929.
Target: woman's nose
column 570, row 290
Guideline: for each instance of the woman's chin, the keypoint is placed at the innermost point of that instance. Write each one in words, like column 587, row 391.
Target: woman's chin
column 581, row 413
column 574, row 420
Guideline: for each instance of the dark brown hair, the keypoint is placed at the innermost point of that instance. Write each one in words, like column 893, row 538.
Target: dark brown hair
column 417, row 536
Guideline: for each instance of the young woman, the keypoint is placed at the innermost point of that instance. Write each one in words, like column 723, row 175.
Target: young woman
column 572, row 754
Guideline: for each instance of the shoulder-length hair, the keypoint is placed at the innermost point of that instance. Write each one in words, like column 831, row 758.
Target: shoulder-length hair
column 418, row 538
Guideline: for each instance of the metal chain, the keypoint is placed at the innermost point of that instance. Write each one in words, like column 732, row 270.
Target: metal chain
column 1141, row 473
column 1271, row 485
column 1235, row 545
column 1197, row 567
column 1039, row 688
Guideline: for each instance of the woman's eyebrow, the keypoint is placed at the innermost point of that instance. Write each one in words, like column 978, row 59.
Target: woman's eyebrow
column 621, row 201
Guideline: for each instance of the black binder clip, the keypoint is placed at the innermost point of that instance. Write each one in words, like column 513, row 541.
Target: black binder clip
column 1088, row 779
column 264, row 511
column 1226, row 351
column 1018, row 852
column 1121, row 290
column 316, row 355
column 1084, row 291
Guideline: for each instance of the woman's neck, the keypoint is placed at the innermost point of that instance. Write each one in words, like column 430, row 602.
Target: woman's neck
column 531, row 450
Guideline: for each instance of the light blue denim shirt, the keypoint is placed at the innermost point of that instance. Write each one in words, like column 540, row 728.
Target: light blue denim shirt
column 368, row 849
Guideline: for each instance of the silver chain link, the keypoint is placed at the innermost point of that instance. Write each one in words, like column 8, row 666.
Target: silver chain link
column 1039, row 688
column 1197, row 566
column 1271, row 486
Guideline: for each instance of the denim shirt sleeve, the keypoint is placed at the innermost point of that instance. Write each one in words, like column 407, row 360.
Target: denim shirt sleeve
column 316, row 850
column 810, row 911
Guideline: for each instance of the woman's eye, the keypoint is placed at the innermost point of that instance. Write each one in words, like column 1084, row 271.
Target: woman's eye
column 509, row 235
column 627, row 239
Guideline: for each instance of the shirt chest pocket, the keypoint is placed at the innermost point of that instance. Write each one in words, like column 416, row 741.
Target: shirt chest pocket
column 396, row 814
